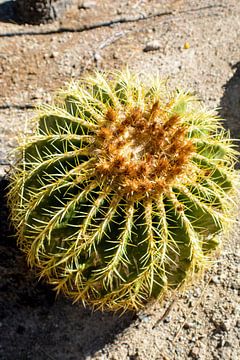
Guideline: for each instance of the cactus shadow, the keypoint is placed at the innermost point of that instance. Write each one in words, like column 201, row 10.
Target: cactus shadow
column 230, row 104
column 36, row 325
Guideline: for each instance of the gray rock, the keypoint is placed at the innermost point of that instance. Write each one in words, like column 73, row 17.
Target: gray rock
column 40, row 11
column 152, row 46
column 87, row 4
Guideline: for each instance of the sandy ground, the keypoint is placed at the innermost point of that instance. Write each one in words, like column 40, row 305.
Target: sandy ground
column 196, row 45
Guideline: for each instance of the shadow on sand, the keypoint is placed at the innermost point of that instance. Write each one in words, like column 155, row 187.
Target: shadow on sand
column 230, row 105
column 35, row 325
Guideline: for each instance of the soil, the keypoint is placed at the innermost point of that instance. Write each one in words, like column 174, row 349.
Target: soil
column 194, row 44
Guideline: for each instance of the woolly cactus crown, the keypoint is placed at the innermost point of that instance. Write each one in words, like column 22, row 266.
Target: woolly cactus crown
column 121, row 190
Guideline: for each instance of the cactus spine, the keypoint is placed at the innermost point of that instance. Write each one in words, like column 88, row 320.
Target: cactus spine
column 121, row 190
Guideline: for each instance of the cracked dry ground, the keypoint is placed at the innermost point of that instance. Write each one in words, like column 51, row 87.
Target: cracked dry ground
column 203, row 323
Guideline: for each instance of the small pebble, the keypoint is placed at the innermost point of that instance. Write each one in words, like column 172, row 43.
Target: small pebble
column 87, row 4
column 227, row 343
column 194, row 353
column 188, row 325
column 97, row 57
column 215, row 280
column 144, row 318
column 152, row 46
column 197, row 292
column 167, row 319
column 53, row 55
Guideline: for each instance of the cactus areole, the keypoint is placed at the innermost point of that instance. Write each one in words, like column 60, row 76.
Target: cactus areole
column 121, row 190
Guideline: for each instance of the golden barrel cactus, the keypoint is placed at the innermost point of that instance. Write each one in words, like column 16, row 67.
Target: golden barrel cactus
column 121, row 190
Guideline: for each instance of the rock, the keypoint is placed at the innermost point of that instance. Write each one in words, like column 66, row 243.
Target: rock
column 39, row 11
column 224, row 326
column 194, row 353
column 87, row 4
column 167, row 319
column 97, row 58
column 197, row 292
column 144, row 318
column 152, row 46
column 215, row 280
column 227, row 343
column 53, row 54
column 188, row 325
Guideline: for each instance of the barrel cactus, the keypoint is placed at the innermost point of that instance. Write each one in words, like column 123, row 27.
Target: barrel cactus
column 122, row 189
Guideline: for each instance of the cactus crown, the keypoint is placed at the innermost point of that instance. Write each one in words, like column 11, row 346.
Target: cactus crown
column 121, row 190
column 142, row 152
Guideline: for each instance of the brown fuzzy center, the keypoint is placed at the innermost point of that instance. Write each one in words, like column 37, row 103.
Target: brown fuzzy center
column 143, row 152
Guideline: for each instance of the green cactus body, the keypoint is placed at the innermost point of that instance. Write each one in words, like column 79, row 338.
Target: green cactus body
column 121, row 190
